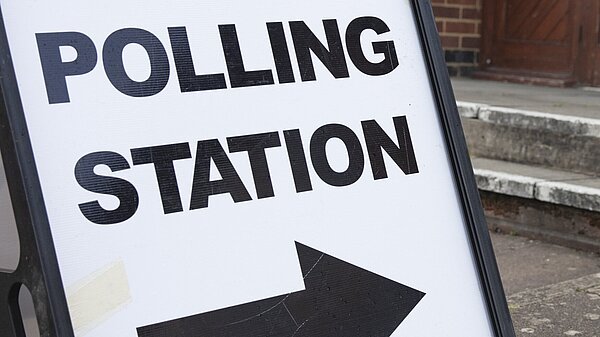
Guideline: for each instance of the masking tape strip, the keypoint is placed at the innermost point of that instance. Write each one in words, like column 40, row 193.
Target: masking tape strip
column 97, row 297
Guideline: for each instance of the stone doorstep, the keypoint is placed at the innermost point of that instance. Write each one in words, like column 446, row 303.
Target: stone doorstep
column 542, row 184
column 530, row 119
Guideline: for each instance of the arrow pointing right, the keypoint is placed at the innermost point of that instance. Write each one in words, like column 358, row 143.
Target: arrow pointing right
column 340, row 300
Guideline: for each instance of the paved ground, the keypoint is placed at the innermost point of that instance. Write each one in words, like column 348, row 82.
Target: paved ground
column 552, row 290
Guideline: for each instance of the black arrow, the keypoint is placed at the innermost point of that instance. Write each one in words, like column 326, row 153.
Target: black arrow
column 340, row 300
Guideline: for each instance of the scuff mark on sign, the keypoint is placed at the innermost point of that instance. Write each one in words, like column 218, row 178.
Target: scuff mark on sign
column 98, row 296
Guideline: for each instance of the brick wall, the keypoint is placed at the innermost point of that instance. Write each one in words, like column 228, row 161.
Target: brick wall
column 459, row 24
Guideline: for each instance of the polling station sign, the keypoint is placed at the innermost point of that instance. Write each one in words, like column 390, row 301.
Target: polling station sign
column 240, row 168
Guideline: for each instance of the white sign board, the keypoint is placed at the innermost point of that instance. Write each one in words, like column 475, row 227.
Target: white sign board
column 201, row 161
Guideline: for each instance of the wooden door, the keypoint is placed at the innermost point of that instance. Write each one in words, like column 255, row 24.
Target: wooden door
column 532, row 37
column 593, row 52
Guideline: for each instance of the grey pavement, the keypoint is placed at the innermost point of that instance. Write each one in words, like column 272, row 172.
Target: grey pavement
column 552, row 290
column 578, row 102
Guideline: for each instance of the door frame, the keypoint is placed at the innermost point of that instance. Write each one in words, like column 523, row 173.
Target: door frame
column 585, row 46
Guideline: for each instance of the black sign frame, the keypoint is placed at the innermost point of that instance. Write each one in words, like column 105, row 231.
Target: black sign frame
column 38, row 268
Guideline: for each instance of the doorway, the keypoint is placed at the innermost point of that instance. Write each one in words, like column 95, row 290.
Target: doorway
column 552, row 42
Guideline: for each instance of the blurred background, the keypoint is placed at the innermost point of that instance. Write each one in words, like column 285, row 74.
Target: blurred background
column 526, row 75
column 549, row 42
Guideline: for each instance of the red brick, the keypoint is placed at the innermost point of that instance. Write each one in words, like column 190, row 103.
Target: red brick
column 471, row 13
column 440, row 26
column 471, row 42
column 438, row 1
column 460, row 27
column 450, row 41
column 446, row 12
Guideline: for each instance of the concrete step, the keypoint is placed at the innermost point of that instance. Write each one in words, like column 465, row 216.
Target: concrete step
column 548, row 204
column 536, row 153
column 566, row 142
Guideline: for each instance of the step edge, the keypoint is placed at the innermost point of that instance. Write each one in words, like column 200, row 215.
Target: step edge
column 529, row 119
column 578, row 196
column 555, row 192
